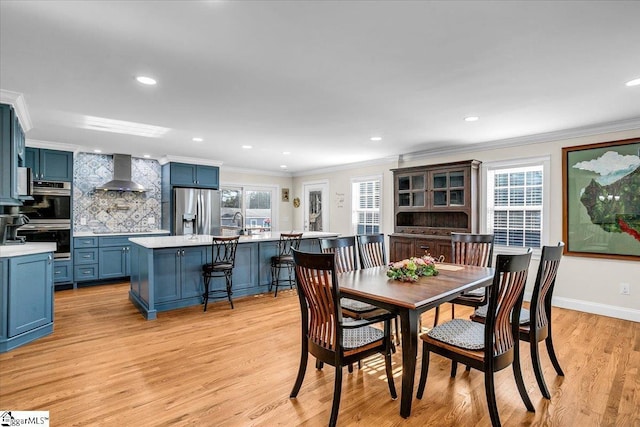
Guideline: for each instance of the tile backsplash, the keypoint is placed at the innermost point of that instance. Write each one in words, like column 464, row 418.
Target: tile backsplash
column 106, row 211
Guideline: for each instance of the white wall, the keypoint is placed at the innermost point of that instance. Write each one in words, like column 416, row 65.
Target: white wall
column 587, row 284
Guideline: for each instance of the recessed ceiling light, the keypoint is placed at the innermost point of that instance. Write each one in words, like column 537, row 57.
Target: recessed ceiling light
column 472, row 119
column 146, row 156
column 247, row 147
column 197, row 139
column 376, row 138
column 634, row 82
column 286, row 153
column 283, row 166
column 145, row 80
column 97, row 151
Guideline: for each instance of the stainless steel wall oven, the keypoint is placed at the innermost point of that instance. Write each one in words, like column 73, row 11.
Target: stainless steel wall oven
column 49, row 216
column 60, row 234
column 51, row 203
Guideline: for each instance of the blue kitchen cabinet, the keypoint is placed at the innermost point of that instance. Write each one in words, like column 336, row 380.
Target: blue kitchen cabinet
column 19, row 140
column 30, row 294
column 188, row 175
column 98, row 258
column 85, row 259
column 11, row 154
column 113, row 262
column 85, row 242
column 26, row 299
column 310, row 245
column 62, row 271
column 246, row 272
column 178, row 273
column 49, row 165
column 4, row 303
column 266, row 250
column 5, row 155
column 166, row 267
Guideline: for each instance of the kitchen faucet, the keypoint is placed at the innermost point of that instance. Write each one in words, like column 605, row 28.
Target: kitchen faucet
column 241, row 223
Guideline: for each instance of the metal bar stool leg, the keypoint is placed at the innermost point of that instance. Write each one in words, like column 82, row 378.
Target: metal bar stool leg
column 205, row 295
column 228, row 277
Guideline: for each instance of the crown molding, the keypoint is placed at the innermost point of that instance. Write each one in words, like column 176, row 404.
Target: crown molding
column 363, row 164
column 610, row 127
column 35, row 143
column 258, row 172
column 16, row 100
column 197, row 161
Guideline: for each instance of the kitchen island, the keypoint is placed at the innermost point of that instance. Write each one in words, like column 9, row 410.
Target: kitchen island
column 166, row 272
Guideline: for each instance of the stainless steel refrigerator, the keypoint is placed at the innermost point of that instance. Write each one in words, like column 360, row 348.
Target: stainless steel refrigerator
column 196, row 211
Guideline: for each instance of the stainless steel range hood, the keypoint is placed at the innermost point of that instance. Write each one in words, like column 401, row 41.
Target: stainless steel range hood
column 121, row 176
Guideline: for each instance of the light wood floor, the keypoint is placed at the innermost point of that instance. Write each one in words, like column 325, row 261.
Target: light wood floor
column 105, row 365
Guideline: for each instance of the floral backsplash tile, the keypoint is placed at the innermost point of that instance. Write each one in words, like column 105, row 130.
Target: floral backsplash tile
column 112, row 210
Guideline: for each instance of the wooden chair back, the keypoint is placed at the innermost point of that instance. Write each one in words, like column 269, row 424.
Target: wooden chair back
column 319, row 300
column 223, row 250
column 472, row 249
column 543, row 289
column 344, row 250
column 371, row 250
column 503, row 313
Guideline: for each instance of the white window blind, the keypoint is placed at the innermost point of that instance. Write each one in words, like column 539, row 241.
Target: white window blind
column 515, row 203
column 366, row 205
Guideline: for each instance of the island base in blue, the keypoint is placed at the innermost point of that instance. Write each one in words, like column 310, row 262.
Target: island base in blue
column 169, row 278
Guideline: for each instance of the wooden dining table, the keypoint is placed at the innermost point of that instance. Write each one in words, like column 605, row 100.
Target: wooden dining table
column 409, row 300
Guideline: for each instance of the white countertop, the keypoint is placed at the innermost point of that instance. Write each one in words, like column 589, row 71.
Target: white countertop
column 123, row 233
column 205, row 239
column 7, row 251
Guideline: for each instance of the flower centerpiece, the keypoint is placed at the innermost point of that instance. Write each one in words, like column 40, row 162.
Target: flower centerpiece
column 409, row 270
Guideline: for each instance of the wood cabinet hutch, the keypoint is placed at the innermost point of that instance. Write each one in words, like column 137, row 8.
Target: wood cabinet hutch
column 431, row 202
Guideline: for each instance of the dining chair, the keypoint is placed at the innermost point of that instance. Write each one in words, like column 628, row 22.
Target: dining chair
column 488, row 347
column 372, row 253
column 371, row 250
column 470, row 249
column 325, row 334
column 535, row 323
column 284, row 259
column 345, row 251
column 223, row 258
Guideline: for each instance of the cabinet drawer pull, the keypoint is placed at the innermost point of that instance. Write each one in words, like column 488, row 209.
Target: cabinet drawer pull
column 57, row 272
column 86, row 256
column 86, row 272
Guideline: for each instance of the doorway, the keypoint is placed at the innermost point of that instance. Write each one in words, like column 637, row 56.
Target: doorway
column 316, row 206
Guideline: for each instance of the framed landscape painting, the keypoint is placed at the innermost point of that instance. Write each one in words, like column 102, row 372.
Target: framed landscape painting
column 601, row 199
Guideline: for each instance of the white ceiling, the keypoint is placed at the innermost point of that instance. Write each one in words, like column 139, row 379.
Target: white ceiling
column 318, row 78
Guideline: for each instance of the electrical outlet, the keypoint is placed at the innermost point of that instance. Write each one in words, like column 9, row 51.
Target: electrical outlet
column 151, row 220
column 624, row 289
column 83, row 221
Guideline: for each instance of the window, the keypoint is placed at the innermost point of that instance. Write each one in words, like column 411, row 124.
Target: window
column 253, row 203
column 516, row 197
column 365, row 205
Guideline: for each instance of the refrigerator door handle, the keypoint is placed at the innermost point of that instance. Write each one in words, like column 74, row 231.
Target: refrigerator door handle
column 199, row 213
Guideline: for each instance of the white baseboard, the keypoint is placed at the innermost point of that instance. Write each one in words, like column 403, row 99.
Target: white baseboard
column 594, row 308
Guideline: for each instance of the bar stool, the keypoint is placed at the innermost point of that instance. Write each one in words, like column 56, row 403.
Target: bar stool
column 284, row 259
column 223, row 258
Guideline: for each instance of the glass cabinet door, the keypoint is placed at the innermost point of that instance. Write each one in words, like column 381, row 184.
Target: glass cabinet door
column 448, row 188
column 411, row 190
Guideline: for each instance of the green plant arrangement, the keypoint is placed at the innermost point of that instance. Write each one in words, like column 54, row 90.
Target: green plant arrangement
column 409, row 270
